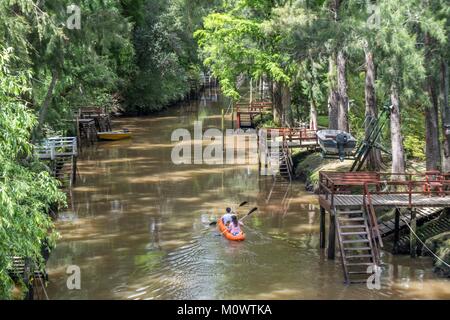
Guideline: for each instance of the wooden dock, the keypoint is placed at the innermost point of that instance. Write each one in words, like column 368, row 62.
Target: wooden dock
column 351, row 199
column 61, row 155
column 423, row 214
column 246, row 112
column 299, row 137
column 101, row 118
column 389, row 200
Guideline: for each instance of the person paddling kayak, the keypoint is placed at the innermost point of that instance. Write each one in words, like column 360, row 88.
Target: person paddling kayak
column 227, row 217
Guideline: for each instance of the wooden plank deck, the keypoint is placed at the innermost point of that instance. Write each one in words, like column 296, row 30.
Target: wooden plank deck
column 427, row 213
column 391, row 200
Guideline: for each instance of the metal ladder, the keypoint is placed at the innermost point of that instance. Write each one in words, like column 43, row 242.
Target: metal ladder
column 375, row 129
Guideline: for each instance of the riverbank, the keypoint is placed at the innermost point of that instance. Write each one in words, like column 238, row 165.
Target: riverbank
column 308, row 165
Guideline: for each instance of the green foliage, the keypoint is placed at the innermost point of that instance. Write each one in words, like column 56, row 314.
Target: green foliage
column 291, row 42
column 27, row 190
column 166, row 53
column 414, row 147
column 240, row 42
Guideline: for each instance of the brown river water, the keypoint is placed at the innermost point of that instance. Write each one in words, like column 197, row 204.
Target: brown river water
column 138, row 228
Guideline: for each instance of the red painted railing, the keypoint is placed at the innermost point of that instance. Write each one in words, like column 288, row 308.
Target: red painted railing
column 430, row 183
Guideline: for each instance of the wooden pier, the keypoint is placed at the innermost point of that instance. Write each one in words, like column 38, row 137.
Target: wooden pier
column 295, row 137
column 61, row 154
column 86, row 131
column 351, row 199
column 246, row 112
column 101, row 118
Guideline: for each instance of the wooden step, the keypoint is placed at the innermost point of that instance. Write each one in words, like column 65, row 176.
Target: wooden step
column 353, row 233
column 358, row 272
column 359, row 264
column 358, row 281
column 352, row 226
column 360, row 256
column 349, row 211
column 356, row 241
column 351, row 219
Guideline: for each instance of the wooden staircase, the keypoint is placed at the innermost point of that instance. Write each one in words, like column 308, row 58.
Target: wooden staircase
column 22, row 270
column 276, row 157
column 245, row 120
column 355, row 243
column 64, row 169
column 285, row 161
column 359, row 238
column 281, row 164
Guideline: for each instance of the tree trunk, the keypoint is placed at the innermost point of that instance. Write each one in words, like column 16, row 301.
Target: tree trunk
column 277, row 103
column 433, row 148
column 312, row 114
column 342, row 89
column 398, row 153
column 374, row 159
column 46, row 103
column 286, row 98
column 445, row 112
column 333, row 96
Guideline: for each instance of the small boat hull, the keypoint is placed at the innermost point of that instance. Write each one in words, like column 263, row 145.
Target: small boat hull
column 114, row 135
column 336, row 142
column 223, row 229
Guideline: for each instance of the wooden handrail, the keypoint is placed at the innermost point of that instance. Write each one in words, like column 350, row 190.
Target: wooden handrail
column 374, row 229
column 413, row 182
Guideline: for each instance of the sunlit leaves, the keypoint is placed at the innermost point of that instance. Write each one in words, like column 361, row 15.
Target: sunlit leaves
column 26, row 188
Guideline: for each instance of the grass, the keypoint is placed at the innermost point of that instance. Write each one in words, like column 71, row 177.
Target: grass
column 322, row 121
column 310, row 166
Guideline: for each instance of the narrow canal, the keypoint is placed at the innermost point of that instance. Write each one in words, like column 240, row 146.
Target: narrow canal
column 138, row 229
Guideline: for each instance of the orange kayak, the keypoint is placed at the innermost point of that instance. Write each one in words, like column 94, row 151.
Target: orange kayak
column 227, row 234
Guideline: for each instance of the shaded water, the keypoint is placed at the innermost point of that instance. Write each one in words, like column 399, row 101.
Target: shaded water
column 139, row 229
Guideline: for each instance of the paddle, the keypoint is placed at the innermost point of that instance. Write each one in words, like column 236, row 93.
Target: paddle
column 242, row 204
column 248, row 214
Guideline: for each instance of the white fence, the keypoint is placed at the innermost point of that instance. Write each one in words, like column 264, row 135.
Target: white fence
column 57, row 147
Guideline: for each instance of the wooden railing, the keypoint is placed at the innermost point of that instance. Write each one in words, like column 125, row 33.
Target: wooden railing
column 409, row 184
column 57, row 146
column 288, row 158
column 375, row 235
column 294, row 134
column 253, row 107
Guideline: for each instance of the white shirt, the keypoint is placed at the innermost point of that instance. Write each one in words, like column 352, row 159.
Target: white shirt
column 227, row 217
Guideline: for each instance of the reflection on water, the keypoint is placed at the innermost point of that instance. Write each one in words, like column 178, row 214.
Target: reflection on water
column 139, row 229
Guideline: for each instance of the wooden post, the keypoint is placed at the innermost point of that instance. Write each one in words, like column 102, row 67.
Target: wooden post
column 251, row 90
column 396, row 229
column 232, row 115
column 74, row 170
column 322, row 228
column 332, row 237
column 223, row 129
column 412, row 237
column 77, row 124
